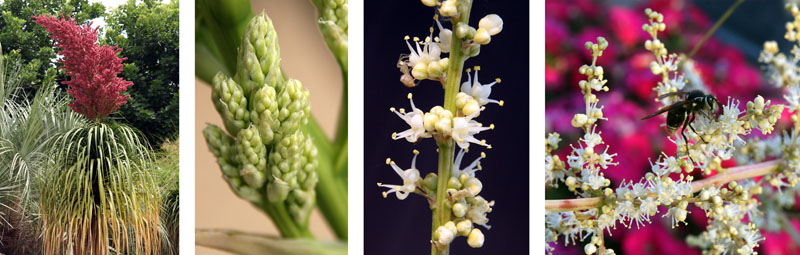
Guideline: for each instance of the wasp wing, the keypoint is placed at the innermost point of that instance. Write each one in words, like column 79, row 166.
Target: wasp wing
column 667, row 108
column 679, row 93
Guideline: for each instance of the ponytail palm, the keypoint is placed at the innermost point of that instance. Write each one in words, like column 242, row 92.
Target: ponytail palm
column 99, row 193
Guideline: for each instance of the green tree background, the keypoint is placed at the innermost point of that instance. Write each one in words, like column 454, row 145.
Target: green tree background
column 147, row 31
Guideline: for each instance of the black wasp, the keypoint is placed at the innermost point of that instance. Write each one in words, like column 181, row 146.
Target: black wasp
column 682, row 113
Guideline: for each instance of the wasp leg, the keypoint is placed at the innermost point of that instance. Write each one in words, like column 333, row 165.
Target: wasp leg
column 691, row 119
column 686, row 122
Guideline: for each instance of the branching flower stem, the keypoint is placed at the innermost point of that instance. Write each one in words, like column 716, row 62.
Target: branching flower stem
column 733, row 174
column 442, row 209
column 715, row 27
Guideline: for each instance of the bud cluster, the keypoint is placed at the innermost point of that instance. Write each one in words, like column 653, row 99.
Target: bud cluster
column 264, row 156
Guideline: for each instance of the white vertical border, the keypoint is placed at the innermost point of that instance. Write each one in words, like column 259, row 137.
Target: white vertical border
column 186, row 111
column 355, row 122
column 536, row 125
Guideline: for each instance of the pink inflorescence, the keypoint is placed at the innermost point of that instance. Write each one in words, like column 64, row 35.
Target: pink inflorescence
column 92, row 68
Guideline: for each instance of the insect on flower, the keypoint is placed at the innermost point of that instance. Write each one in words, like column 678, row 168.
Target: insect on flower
column 682, row 113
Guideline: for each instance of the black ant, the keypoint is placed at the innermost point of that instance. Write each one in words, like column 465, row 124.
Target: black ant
column 682, row 113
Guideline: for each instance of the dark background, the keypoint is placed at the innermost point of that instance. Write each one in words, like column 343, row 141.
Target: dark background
column 392, row 226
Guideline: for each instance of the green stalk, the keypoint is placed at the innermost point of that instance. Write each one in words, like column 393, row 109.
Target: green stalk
column 284, row 222
column 442, row 209
column 331, row 197
column 715, row 27
column 341, row 129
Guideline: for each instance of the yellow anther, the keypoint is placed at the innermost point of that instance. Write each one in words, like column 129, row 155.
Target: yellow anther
column 406, row 38
column 501, row 103
column 483, row 154
column 491, row 126
column 388, row 160
column 416, row 152
column 409, row 96
column 380, row 184
column 416, row 39
column 469, row 70
column 430, row 29
column 497, row 80
column 477, row 68
column 391, row 109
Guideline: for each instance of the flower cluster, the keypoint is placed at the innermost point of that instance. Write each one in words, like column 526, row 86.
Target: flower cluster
column 712, row 137
column 587, row 159
column 454, row 191
column 729, row 204
column 424, row 60
column 92, row 68
column 442, row 124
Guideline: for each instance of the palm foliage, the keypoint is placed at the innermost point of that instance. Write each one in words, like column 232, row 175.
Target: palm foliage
column 101, row 195
column 26, row 129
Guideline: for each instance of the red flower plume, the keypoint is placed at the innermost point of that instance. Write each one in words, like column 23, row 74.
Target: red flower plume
column 92, row 68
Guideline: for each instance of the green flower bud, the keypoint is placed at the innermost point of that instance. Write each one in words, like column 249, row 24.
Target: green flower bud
column 293, row 108
column 224, row 149
column 333, row 25
column 293, row 176
column 430, row 181
column 253, row 156
column 277, row 190
column 259, row 56
column 474, row 50
column 230, row 102
column 264, row 113
column 246, row 192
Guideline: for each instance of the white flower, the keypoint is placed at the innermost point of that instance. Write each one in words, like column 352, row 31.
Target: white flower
column 478, row 91
column 445, row 36
column 428, row 53
column 478, row 210
column 410, row 177
column 595, row 181
column 464, row 130
column 492, row 23
column 793, row 97
column 414, row 120
column 471, row 168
